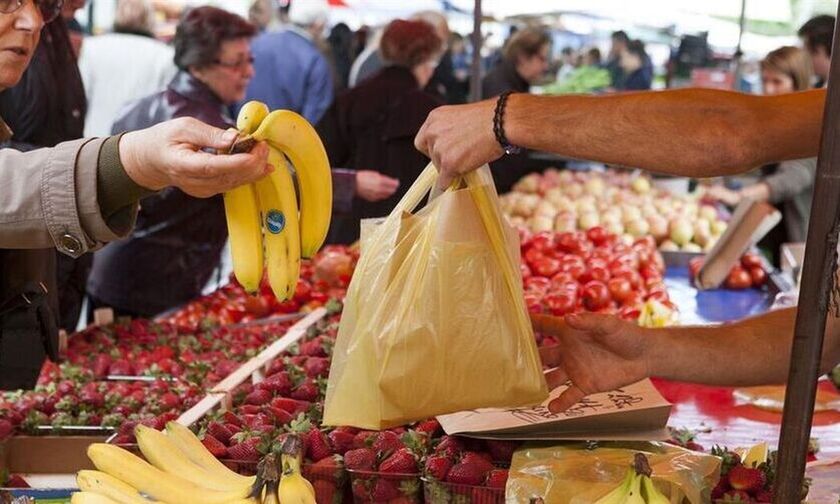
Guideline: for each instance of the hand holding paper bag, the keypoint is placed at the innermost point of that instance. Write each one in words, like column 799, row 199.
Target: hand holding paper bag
column 434, row 320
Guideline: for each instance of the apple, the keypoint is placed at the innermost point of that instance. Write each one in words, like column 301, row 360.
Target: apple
column 669, row 246
column 564, row 224
column 614, row 227
column 595, row 186
column 631, row 213
column 702, row 231
column 545, row 208
column 681, row 231
column 540, row 223
column 718, row 227
column 641, row 185
column 574, row 190
column 692, row 247
column 638, row 228
column 528, row 184
column 658, row 227
column 588, row 220
column 708, row 212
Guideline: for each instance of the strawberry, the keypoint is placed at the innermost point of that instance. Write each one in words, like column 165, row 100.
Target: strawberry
column 121, row 367
column 385, row 443
column 231, row 418
column 325, row 490
column 501, row 451
column 313, row 348
column 360, row 459
column 6, row 429
column 364, row 439
column 721, row 488
column 746, row 479
column 497, row 478
column 429, row 427
column 258, row 397
column 293, row 406
column 764, row 496
column 170, row 401
column 219, row 431
column 279, row 383
column 465, row 474
column 342, row 441
column 248, row 409
column 245, row 451
column 316, row 366
column 318, row 445
column 384, row 490
column 214, row 446
column 15, row 481
column 281, row 417
column 478, row 460
column 401, row 462
column 101, row 364
column 736, row 496
column 438, row 466
column 450, row 446
column 306, row 391
column 361, row 490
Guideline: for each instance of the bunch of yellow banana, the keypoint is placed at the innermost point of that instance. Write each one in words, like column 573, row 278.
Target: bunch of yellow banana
column 636, row 487
column 179, row 471
column 264, row 224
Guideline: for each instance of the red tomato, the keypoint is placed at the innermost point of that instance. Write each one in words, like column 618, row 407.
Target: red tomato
column 537, row 284
column 599, row 273
column 738, row 278
column 597, row 235
column 572, row 265
column 573, row 243
column 751, row 260
column 758, row 276
column 562, row 278
column 620, row 289
column 560, row 303
column 546, row 267
column 595, row 295
column 694, row 266
column 543, row 241
column 649, row 272
column 533, row 256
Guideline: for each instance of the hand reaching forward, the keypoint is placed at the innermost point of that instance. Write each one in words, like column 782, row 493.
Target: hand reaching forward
column 597, row 353
column 373, row 186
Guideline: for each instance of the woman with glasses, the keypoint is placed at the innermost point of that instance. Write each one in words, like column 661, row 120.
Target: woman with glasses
column 368, row 130
column 178, row 240
column 80, row 194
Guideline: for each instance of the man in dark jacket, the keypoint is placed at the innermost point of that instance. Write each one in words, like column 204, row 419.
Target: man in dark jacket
column 48, row 107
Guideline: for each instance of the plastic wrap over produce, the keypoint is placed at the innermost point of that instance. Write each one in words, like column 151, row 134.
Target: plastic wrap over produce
column 434, row 320
column 582, row 473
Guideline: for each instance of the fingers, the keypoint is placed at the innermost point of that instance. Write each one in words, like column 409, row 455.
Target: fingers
column 593, row 323
column 421, row 141
column 567, row 399
column 550, row 355
column 555, row 378
column 221, row 172
column 547, row 324
column 199, row 134
column 389, row 184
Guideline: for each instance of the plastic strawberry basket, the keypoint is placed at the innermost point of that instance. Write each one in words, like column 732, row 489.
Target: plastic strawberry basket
column 436, row 492
column 373, row 486
column 330, row 484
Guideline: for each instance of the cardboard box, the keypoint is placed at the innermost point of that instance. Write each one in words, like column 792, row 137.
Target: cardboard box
column 46, row 454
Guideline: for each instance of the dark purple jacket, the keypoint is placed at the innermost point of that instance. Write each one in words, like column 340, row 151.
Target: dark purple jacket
column 372, row 127
column 178, row 239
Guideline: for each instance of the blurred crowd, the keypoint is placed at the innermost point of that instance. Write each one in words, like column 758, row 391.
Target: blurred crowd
column 367, row 91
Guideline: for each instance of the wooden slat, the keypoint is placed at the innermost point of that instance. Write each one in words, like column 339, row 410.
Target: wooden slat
column 814, row 297
column 201, row 408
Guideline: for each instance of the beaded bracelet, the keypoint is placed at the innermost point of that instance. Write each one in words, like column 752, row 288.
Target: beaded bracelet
column 498, row 125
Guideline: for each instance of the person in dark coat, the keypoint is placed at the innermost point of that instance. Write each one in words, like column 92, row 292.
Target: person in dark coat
column 637, row 67
column 370, row 129
column 524, row 61
column 48, row 107
column 178, row 240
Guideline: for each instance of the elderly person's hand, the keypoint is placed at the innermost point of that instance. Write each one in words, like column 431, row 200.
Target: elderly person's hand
column 172, row 154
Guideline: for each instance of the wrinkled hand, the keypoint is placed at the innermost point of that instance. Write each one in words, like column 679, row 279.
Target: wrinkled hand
column 459, row 139
column 170, row 154
column 723, row 194
column 373, row 186
column 597, row 353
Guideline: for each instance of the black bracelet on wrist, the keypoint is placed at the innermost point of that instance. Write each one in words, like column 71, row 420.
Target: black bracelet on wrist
column 498, row 125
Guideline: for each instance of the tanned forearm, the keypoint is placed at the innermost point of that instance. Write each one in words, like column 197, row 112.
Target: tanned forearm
column 688, row 132
column 754, row 351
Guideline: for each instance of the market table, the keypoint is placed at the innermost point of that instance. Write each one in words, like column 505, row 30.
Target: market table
column 718, row 416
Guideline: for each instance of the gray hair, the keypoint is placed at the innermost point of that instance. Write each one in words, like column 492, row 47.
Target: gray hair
column 135, row 16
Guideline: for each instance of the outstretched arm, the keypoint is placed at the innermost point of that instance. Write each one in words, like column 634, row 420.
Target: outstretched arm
column 689, row 132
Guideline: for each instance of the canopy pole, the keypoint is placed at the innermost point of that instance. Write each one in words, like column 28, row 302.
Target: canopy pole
column 818, row 280
column 477, row 43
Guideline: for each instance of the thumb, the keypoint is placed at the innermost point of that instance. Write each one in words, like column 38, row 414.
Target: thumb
column 591, row 322
column 204, row 135
column 547, row 324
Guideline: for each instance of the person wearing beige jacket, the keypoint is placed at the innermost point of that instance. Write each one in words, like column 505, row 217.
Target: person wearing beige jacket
column 81, row 194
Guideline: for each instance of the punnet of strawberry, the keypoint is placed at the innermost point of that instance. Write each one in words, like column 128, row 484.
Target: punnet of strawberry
column 746, row 483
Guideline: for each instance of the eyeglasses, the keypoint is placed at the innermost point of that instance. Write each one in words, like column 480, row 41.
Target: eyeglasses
column 50, row 9
column 236, row 65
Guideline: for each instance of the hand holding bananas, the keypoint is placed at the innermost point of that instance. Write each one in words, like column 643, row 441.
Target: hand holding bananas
column 170, row 154
column 270, row 225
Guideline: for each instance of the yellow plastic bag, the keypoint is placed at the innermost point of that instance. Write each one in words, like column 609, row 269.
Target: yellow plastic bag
column 578, row 473
column 434, row 320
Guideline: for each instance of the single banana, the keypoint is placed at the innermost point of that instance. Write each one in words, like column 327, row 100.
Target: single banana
column 90, row 498
column 194, row 449
column 293, row 487
column 652, row 494
column 634, row 496
column 250, row 116
column 297, row 139
column 243, row 222
column 619, row 494
column 98, row 482
column 151, row 481
column 162, row 453
column 281, row 236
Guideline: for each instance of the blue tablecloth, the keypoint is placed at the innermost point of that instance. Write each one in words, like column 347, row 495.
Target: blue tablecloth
column 713, row 306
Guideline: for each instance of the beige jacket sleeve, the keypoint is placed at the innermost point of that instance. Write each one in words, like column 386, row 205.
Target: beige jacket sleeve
column 48, row 198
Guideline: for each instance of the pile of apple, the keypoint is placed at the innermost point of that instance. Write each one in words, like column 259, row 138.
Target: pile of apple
column 749, row 272
column 624, row 204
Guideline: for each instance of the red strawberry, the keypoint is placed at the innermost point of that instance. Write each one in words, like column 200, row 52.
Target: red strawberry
column 214, row 446
column 479, row 460
column 316, row 366
column 764, row 496
column 101, row 364
column 258, row 397
column 121, row 367
column 401, row 462
column 364, row 439
column 248, row 409
column 361, row 490
column 170, row 401
column 501, row 451
column 746, row 479
column 293, row 406
column 497, row 478
column 307, row 391
column 342, row 441
column 219, row 431
column 386, row 442
column 428, row 427
column 720, row 489
column 234, row 429
column 360, row 459
column 736, row 496
column 313, row 348
column 231, row 418
column 325, row 490
column 245, row 451
column 281, row 416
column 16, row 481
column 279, row 383
column 450, row 446
column 6, row 429
column 438, row 466
column 384, row 490
column 466, row 474
column 318, row 445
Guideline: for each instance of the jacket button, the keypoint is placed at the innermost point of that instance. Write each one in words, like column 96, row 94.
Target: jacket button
column 70, row 244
